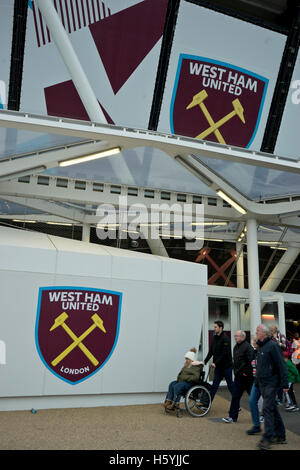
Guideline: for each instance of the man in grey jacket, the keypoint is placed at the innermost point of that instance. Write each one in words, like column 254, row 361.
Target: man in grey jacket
column 271, row 374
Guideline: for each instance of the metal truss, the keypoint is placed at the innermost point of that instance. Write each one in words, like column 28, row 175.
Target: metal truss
column 64, row 200
column 128, row 138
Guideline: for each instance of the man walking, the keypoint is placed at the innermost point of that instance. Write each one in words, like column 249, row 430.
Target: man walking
column 243, row 354
column 222, row 359
column 271, row 374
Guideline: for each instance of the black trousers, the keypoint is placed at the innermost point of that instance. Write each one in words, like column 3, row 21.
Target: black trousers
column 273, row 424
column 240, row 385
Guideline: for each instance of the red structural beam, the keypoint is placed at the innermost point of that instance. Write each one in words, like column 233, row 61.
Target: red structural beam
column 220, row 270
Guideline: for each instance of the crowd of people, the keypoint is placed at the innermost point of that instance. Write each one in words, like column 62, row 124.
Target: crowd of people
column 267, row 370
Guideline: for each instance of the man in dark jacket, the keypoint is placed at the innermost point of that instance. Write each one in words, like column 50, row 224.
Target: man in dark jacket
column 271, row 374
column 222, row 359
column 243, row 354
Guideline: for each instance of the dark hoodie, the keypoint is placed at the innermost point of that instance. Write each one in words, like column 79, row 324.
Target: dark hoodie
column 271, row 368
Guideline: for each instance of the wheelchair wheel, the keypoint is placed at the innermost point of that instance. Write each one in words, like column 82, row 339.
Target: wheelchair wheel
column 198, row 401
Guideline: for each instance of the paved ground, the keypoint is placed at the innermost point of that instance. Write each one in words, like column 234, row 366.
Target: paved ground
column 139, row 427
column 291, row 420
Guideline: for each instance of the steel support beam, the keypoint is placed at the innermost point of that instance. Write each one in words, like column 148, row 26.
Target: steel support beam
column 253, row 276
column 131, row 138
column 280, row 270
column 64, row 46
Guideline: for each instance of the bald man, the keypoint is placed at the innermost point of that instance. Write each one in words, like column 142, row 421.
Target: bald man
column 243, row 354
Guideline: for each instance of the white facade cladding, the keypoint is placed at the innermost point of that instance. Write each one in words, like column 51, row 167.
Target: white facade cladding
column 161, row 317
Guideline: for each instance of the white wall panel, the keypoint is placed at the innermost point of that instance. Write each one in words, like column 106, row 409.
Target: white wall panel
column 23, row 374
column 131, row 368
column 179, row 329
column 159, row 319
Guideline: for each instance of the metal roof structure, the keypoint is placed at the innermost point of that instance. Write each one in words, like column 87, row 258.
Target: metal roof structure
column 152, row 167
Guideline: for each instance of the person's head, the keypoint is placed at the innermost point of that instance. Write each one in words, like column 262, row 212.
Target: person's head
column 254, row 342
column 190, row 357
column 262, row 331
column 239, row 336
column 218, row 327
column 296, row 335
column 285, row 356
column 273, row 330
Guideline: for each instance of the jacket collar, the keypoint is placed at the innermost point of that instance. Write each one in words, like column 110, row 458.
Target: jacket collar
column 261, row 343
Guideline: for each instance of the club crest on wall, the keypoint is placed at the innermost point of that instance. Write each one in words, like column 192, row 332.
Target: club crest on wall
column 216, row 101
column 76, row 330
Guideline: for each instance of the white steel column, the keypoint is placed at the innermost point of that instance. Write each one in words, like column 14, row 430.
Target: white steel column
column 280, row 270
column 253, row 276
column 240, row 265
column 240, row 281
column 71, row 61
column 155, row 244
column 86, row 231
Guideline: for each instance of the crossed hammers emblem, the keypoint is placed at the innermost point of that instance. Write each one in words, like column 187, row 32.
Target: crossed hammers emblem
column 238, row 110
column 77, row 341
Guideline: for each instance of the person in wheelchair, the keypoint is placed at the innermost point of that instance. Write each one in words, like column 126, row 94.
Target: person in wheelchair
column 189, row 375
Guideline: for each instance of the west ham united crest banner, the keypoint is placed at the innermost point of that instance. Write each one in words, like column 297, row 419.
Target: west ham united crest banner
column 76, row 330
column 216, row 101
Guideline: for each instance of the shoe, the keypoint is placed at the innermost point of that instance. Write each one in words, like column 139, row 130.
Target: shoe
column 254, row 430
column 171, row 406
column 278, row 440
column 167, row 403
column 279, row 403
column 228, row 420
column 290, row 408
column 264, row 444
column 294, row 409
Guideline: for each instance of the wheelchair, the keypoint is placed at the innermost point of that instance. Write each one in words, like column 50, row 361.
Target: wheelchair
column 197, row 399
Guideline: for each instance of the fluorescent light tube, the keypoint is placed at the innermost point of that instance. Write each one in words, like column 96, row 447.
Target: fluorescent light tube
column 93, row 156
column 207, row 224
column 268, row 243
column 26, row 221
column 231, row 202
column 59, row 223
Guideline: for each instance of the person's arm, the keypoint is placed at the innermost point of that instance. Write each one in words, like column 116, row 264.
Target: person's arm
column 245, row 361
column 209, row 354
column 279, row 363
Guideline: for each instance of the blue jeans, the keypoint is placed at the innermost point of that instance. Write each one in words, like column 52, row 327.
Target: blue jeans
column 218, row 377
column 176, row 389
column 253, row 401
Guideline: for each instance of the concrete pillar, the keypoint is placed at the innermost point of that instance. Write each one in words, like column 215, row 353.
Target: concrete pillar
column 253, row 276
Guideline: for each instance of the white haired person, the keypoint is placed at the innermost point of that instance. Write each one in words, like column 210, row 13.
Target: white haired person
column 271, row 373
column 189, row 374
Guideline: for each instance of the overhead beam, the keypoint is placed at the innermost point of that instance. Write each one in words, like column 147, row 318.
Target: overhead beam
column 253, row 208
column 48, row 207
column 43, row 160
column 127, row 138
